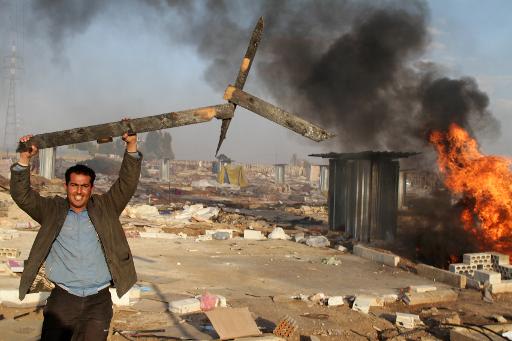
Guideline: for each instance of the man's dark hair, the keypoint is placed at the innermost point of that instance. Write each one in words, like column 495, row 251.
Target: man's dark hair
column 80, row 169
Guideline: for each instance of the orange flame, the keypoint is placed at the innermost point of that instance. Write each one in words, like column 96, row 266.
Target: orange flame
column 486, row 181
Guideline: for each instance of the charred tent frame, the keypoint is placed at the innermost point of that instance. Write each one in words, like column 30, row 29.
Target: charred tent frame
column 363, row 193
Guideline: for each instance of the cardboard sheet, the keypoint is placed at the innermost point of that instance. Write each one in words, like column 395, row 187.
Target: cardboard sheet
column 231, row 323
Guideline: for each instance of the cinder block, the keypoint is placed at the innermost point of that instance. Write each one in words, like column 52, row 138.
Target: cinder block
column 376, row 256
column 483, row 276
column 506, row 271
column 463, row 268
column 477, row 258
column 499, row 259
column 501, row 288
column 188, row 305
column 253, row 235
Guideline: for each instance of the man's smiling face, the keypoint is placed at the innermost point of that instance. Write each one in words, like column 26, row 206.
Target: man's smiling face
column 79, row 190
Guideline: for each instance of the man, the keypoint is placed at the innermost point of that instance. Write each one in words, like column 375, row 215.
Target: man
column 82, row 244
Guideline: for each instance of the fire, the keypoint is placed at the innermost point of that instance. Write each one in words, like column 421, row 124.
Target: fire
column 485, row 182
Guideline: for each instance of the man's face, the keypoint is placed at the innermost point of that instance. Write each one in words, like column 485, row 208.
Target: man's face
column 79, row 190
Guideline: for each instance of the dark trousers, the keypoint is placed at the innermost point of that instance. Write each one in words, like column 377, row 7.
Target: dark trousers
column 70, row 317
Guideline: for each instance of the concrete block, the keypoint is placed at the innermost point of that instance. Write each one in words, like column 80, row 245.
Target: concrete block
column 477, row 258
column 422, row 288
column 463, row 268
column 335, row 301
column 253, row 235
column 483, row 276
column 505, row 270
column 501, row 288
column 376, row 256
column 408, row 321
column 188, row 305
column 318, row 241
column 10, row 298
column 9, row 252
column 431, row 297
column 389, row 298
column 499, row 259
column 440, row 275
column 363, row 303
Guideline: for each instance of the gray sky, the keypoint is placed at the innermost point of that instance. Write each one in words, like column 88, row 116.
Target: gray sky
column 91, row 62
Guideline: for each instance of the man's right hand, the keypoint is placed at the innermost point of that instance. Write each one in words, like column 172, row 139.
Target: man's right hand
column 25, row 156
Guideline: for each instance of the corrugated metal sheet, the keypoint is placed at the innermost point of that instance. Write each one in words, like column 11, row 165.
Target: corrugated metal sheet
column 363, row 196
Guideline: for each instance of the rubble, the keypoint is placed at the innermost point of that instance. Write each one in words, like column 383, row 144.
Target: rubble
column 318, row 241
column 363, row 303
column 278, row 233
column 335, row 301
column 185, row 306
column 407, row 321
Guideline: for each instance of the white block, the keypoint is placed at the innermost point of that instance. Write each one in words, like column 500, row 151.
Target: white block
column 253, row 235
column 278, row 233
column 408, row 321
column 188, row 305
column 335, row 301
column 363, row 303
column 10, row 297
column 477, row 258
column 483, row 276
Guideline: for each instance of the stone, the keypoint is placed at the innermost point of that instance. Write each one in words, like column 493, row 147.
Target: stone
column 483, row 276
column 335, row 301
column 440, row 275
column 317, row 297
column 253, row 235
column 389, row 298
column 212, row 232
column 408, row 321
column 318, row 241
column 376, row 256
column 278, row 233
column 188, row 305
column 331, row 261
column 221, row 235
column 298, row 237
column 341, row 248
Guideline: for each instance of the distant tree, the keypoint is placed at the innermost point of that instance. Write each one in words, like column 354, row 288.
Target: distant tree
column 91, row 147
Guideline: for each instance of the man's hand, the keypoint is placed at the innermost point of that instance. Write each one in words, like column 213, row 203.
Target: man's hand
column 130, row 139
column 25, row 156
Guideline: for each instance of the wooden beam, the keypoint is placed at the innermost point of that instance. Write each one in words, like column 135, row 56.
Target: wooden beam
column 275, row 114
column 136, row 125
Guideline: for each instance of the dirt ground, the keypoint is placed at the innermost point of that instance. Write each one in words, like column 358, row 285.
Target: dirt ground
column 263, row 276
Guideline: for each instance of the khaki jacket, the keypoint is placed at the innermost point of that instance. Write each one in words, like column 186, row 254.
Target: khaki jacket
column 104, row 211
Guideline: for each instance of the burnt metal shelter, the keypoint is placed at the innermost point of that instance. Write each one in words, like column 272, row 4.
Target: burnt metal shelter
column 363, row 193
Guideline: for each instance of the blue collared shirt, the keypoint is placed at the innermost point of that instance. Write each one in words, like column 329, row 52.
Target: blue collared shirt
column 76, row 260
